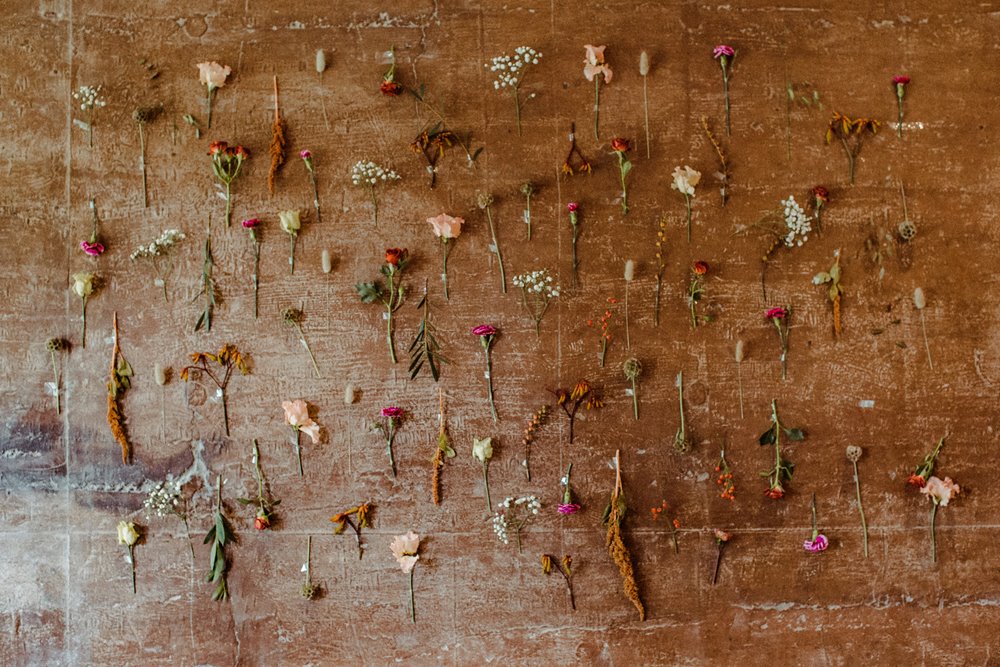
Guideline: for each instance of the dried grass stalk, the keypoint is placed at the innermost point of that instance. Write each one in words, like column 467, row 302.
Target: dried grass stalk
column 117, row 384
column 277, row 142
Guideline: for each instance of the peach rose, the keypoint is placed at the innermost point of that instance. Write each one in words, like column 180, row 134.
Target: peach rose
column 213, row 75
column 594, row 64
column 404, row 548
column 941, row 491
column 446, row 227
column 297, row 416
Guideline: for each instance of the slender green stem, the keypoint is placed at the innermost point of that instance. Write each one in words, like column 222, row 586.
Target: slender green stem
column 927, row 346
column 635, row 400
column 413, row 609
column 298, row 449
column 604, row 349
column 861, row 510
column 850, row 158
column 142, row 163
column 673, row 539
column 621, row 178
column 725, row 90
column 229, row 202
column 371, row 191
column 444, row 272
column 656, row 299
column 680, row 401
column 256, row 276
column 388, row 446
column 208, row 104
column 597, row 104
column 899, row 124
column 291, row 253
column 496, row 249
column 687, row 202
column 305, row 344
column 489, row 383
column 527, row 212
column 517, row 534
column 131, row 562
column 718, row 562
column 309, row 544
column 225, row 409
column 739, row 382
column 486, row 481
column 90, row 128
column 576, row 261
column 312, row 177
column 628, row 340
column 517, row 109
column 55, row 373
column 390, row 307
column 934, row 509
column 83, row 328
column 645, row 113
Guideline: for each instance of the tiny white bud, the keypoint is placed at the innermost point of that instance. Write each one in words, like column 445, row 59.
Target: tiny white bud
column 919, row 300
column 629, row 270
column 349, row 394
column 160, row 374
column 327, row 261
column 320, row 60
column 643, row 63
column 739, row 351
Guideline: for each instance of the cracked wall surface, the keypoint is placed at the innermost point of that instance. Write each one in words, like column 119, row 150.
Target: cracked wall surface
column 66, row 595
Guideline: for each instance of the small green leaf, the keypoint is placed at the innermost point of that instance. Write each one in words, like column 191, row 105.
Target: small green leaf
column 220, row 530
column 767, row 437
column 795, row 434
column 209, row 536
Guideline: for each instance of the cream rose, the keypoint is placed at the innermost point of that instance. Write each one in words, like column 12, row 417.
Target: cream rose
column 685, row 180
column 482, row 450
column 290, row 222
column 83, row 284
column 127, row 534
column 213, row 75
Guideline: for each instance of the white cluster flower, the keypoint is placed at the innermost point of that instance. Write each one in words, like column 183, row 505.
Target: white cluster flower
column 165, row 241
column 537, row 282
column 89, row 97
column 367, row 173
column 163, row 499
column 509, row 68
column 798, row 223
column 514, row 513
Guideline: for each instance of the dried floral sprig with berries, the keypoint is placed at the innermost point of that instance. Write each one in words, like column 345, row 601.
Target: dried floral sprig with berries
column 581, row 395
column 264, row 501
column 565, row 567
column 781, row 473
column 604, row 326
column 675, row 523
column 391, row 294
column 119, row 381
column 442, row 451
column 356, row 518
column 723, row 175
column 441, row 125
column 834, row 289
column 293, row 317
column 613, row 518
column 219, row 369
column 540, row 416
column 725, row 478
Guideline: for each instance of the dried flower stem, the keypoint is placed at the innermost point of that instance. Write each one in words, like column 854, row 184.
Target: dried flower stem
column 616, row 546
column 861, row 510
column 723, row 162
column 142, row 160
column 927, row 345
column 277, row 142
column 55, row 376
column 645, row 105
column 597, row 105
column 118, row 382
column 496, row 248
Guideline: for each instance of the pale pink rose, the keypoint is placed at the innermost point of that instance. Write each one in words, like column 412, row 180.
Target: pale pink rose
column 311, row 429
column 297, row 416
column 213, row 75
column 594, row 64
column 404, row 548
column 446, row 226
column 941, row 491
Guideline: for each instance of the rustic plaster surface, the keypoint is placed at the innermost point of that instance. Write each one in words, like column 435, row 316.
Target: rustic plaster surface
column 66, row 598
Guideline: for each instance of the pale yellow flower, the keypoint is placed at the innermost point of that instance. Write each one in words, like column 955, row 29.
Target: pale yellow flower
column 404, row 548
column 446, row 226
column 83, row 284
column 290, row 222
column 297, row 416
column 213, row 75
column 127, row 533
column 940, row 491
column 482, row 449
column 685, row 179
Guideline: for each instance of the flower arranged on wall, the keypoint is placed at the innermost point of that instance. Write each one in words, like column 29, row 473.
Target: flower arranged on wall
column 425, row 347
column 790, row 228
column 661, row 265
column 633, row 369
column 391, row 419
column 619, row 147
column 510, row 72
column 442, row 451
column 207, row 283
column 128, row 536
column 119, row 381
column 166, row 499
column 723, row 175
column 604, row 328
column 582, row 165
column 851, row 132
column 212, row 75
column 537, row 291
column 367, row 174
column 527, row 189
column 564, row 567
column 684, row 182
column 573, row 208
column 389, row 86
column 405, row 548
column 854, row 455
column 307, row 160
column 835, row 291
column 356, row 517
column 820, row 198
column 252, row 225
column 920, row 302
column 568, row 505
column 540, row 416
column 226, row 164
column 56, row 346
column 682, row 444
column 89, row 98
column 696, row 290
column 84, row 284
column 582, row 394
column 293, row 317
column 940, row 492
column 157, row 249
column 93, row 247
column 227, row 360
column 721, row 540
column 485, row 202
column 219, row 535
column 644, row 72
column 390, row 295
column 614, row 516
column 297, row 417
column 675, row 523
column 738, row 354
column 725, row 478
column 595, row 66
column 818, row 542
column 513, row 515
column 779, row 316
column 482, row 451
column 436, row 135
column 265, row 504
column 725, row 55
column 782, row 470
column 446, row 228
column 142, row 116
column 899, row 83
column 924, row 471
column 278, row 142
column 291, row 223
column 487, row 333
column 802, row 95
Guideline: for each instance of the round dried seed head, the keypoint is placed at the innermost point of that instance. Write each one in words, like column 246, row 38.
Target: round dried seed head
column 853, row 453
column 907, row 230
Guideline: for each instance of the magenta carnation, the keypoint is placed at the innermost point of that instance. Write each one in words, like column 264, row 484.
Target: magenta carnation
column 484, row 330
column 94, row 249
column 776, row 313
column 392, row 411
column 817, row 544
column 569, row 508
column 723, row 50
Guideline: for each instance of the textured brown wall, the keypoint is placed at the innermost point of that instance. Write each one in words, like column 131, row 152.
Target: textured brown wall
column 66, row 597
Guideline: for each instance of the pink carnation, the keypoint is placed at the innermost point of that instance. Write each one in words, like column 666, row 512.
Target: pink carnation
column 900, row 79
column 572, row 206
column 94, row 249
column 777, row 313
column 723, row 50
column 569, row 508
column 814, row 546
column 306, row 155
column 392, row 411
column 250, row 223
column 484, row 330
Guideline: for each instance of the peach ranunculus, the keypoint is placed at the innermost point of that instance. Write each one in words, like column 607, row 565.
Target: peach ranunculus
column 297, row 416
column 213, row 75
column 404, row 548
column 594, row 63
column 446, row 226
column 941, row 491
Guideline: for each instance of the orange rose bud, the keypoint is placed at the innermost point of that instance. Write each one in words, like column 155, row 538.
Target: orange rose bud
column 700, row 268
column 217, row 147
column 262, row 522
column 620, row 145
column 390, row 88
column 775, row 493
column 395, row 255
column 916, row 480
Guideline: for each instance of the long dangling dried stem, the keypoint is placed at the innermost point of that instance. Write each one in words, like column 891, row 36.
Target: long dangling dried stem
column 118, row 382
column 277, row 142
column 616, row 546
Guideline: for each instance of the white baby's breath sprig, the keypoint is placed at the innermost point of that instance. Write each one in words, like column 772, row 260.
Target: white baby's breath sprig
column 157, row 248
column 798, row 224
column 89, row 98
column 512, row 515
column 366, row 173
column 538, row 287
column 510, row 71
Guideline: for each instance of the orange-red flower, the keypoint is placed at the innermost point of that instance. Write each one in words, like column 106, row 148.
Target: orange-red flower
column 390, row 88
column 620, row 145
column 395, row 255
column 916, row 480
column 821, row 194
column 217, row 147
column 262, row 522
column 700, row 268
column 775, row 492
